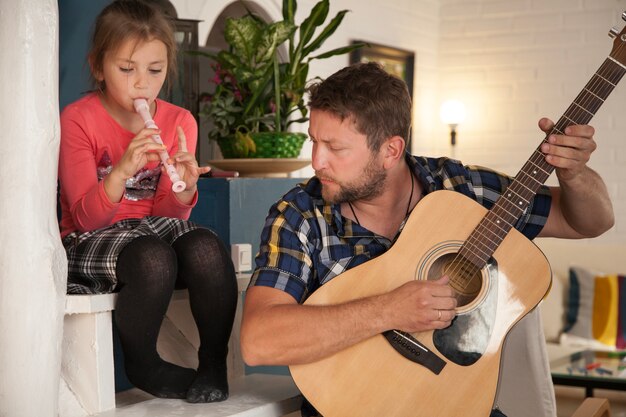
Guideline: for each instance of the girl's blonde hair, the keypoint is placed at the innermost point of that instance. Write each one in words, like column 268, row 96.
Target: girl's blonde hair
column 130, row 19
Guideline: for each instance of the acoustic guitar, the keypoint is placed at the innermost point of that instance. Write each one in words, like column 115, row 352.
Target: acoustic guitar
column 498, row 276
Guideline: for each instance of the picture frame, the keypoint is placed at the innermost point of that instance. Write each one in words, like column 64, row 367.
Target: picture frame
column 398, row 62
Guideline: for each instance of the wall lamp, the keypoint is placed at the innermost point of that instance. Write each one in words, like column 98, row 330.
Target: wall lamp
column 452, row 113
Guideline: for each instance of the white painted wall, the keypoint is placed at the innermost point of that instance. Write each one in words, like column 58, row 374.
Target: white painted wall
column 32, row 261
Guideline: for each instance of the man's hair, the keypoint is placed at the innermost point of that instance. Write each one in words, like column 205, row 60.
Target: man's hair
column 131, row 19
column 378, row 103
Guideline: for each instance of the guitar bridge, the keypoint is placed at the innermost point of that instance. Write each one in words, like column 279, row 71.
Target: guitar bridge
column 410, row 348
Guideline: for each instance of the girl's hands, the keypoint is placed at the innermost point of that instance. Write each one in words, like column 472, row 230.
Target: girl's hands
column 141, row 150
column 186, row 163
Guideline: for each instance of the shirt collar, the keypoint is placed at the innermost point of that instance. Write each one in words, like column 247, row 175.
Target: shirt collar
column 419, row 166
column 346, row 228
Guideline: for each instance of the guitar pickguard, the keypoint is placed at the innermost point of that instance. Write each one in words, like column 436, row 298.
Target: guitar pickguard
column 466, row 339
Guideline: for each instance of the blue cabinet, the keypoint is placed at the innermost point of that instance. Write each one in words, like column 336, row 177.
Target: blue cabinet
column 235, row 208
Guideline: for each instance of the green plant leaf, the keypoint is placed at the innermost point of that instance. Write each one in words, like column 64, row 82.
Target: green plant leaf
column 337, row 51
column 275, row 34
column 243, row 35
column 301, row 75
column 289, row 10
column 256, row 93
column 325, row 34
column 315, row 19
column 229, row 61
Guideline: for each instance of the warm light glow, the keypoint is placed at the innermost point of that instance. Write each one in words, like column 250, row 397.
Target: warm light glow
column 452, row 112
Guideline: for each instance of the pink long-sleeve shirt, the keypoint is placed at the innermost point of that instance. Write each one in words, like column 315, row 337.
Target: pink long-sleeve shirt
column 91, row 143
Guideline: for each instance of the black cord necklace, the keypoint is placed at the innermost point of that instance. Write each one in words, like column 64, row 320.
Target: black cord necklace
column 408, row 207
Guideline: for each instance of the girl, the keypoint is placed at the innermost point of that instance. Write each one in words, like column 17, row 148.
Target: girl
column 123, row 227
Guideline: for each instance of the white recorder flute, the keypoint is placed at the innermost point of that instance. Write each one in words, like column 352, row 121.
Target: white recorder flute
column 141, row 107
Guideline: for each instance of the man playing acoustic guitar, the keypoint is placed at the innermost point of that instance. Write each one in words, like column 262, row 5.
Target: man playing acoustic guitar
column 365, row 187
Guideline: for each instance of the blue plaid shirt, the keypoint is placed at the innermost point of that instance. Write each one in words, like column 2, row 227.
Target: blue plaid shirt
column 306, row 242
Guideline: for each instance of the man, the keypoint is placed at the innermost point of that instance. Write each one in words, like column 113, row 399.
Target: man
column 356, row 205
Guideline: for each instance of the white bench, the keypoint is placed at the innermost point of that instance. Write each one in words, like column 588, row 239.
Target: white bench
column 87, row 364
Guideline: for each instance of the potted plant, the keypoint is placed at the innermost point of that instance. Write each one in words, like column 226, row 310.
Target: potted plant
column 257, row 97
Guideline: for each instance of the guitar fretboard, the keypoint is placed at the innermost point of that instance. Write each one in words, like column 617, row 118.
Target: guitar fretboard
column 493, row 228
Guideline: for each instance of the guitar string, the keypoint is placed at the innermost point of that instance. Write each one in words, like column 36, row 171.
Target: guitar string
column 602, row 79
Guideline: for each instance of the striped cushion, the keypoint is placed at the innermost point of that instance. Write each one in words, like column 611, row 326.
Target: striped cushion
column 605, row 306
column 621, row 317
column 596, row 308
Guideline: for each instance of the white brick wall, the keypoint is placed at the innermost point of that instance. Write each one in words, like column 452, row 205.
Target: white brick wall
column 513, row 62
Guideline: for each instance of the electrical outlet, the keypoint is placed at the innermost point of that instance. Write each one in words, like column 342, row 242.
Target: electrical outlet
column 241, row 254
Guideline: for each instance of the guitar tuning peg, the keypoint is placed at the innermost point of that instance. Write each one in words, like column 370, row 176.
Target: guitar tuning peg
column 614, row 32
column 624, row 16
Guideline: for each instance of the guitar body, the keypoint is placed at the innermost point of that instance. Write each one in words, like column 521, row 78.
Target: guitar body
column 372, row 378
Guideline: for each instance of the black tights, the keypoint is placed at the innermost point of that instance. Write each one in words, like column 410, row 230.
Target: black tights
column 147, row 271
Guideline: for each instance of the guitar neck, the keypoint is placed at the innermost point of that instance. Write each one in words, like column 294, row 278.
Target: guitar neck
column 494, row 227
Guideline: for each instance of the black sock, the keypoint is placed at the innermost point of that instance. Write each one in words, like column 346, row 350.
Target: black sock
column 210, row 384
column 146, row 270
column 206, row 269
column 160, row 378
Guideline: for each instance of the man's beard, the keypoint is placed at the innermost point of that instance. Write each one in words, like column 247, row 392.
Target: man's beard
column 369, row 185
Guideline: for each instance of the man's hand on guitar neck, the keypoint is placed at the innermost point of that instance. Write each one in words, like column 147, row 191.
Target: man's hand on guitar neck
column 568, row 153
column 581, row 191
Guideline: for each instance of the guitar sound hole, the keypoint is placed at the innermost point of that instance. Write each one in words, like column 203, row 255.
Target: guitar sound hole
column 465, row 278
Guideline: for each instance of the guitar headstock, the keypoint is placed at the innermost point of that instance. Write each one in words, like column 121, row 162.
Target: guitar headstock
column 619, row 44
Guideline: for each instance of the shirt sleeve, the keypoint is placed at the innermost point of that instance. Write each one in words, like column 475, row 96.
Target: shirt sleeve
column 165, row 202
column 88, row 203
column 488, row 185
column 284, row 259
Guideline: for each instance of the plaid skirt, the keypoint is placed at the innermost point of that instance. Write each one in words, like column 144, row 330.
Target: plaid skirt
column 92, row 256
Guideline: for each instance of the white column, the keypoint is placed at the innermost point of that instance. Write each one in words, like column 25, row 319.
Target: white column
column 32, row 261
